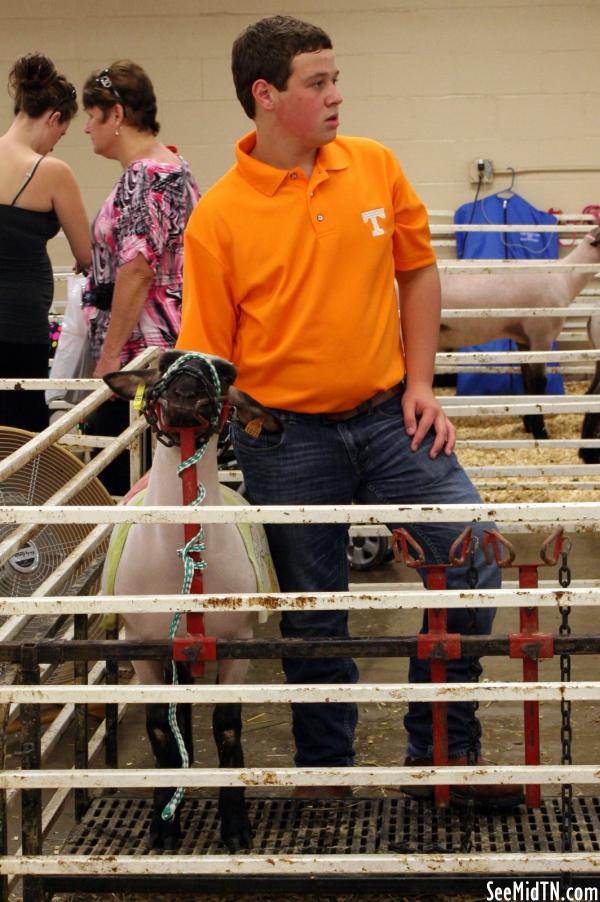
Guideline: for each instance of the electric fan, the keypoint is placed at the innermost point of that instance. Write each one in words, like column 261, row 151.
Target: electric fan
column 32, row 485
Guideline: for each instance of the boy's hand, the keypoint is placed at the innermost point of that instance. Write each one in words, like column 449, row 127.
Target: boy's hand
column 421, row 411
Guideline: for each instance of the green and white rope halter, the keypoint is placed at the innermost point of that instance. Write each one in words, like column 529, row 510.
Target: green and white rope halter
column 195, row 545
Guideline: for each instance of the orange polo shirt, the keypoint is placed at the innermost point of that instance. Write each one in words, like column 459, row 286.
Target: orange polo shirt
column 292, row 278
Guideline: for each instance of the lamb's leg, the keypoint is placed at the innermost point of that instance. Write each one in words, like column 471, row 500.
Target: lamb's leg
column 167, row 834
column 236, row 831
column 591, row 423
column 535, row 382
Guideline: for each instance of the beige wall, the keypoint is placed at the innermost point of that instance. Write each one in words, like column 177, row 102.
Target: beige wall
column 440, row 82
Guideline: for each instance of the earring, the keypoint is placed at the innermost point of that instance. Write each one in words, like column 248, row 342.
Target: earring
column 117, row 132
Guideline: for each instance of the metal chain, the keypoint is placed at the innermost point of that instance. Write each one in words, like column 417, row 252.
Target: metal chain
column 566, row 731
column 466, row 839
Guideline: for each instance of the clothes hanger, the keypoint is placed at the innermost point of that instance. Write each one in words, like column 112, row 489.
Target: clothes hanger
column 508, row 192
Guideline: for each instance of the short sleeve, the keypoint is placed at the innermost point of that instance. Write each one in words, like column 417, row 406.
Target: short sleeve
column 144, row 221
column 209, row 315
column 412, row 237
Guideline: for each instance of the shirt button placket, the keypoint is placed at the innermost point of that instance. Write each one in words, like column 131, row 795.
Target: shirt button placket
column 318, row 215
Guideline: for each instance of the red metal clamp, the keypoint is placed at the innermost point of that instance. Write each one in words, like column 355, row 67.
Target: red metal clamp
column 437, row 645
column 194, row 650
column 529, row 644
column 194, row 620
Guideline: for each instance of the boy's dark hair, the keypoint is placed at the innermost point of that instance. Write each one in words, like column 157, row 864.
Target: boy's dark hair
column 36, row 87
column 126, row 83
column 266, row 50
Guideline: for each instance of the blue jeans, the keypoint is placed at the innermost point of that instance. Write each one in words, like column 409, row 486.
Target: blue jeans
column 366, row 459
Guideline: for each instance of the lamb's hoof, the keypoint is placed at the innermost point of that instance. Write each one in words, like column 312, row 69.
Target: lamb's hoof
column 237, row 837
column 171, row 843
column 164, row 835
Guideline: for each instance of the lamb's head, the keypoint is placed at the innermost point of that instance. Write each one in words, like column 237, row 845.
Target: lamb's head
column 187, row 390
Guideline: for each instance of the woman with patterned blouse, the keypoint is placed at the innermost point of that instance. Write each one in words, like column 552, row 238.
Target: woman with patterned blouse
column 132, row 298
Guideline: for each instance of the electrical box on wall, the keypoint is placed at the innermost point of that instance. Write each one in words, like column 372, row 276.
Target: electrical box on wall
column 481, row 170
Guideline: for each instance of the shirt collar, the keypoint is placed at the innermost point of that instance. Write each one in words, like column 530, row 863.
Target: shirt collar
column 333, row 156
column 267, row 179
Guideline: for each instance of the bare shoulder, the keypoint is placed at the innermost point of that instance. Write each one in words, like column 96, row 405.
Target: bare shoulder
column 55, row 169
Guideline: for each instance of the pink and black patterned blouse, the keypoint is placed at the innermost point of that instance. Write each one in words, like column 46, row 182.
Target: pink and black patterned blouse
column 145, row 213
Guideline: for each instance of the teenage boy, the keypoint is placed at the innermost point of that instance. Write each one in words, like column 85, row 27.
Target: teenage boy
column 289, row 271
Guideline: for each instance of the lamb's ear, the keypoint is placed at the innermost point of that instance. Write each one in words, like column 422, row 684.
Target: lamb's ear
column 250, row 411
column 125, row 383
column 226, row 370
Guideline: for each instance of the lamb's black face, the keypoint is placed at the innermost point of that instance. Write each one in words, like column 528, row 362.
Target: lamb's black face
column 186, row 391
column 189, row 398
column 190, row 392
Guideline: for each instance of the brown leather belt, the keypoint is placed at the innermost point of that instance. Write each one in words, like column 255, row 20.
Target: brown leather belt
column 380, row 398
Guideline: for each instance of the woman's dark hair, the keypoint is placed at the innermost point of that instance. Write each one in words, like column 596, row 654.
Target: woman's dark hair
column 126, row 83
column 266, row 50
column 36, row 87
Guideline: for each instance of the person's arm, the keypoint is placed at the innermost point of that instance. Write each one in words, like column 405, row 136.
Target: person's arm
column 420, row 305
column 131, row 290
column 209, row 319
column 68, row 205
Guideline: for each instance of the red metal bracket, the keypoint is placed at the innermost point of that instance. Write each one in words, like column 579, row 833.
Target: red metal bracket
column 439, row 646
column 195, row 650
column 531, row 646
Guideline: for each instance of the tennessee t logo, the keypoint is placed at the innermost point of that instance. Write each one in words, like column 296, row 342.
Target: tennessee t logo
column 372, row 216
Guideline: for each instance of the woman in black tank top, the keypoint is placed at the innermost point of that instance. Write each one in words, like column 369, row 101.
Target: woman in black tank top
column 44, row 104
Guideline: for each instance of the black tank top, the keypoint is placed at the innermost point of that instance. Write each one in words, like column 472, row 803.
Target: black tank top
column 26, row 282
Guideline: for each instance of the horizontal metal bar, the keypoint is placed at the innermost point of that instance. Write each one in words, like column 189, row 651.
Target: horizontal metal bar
column 520, row 472
column 504, row 266
column 573, row 485
column 586, row 514
column 577, row 690
column 527, row 470
column 7, row 384
column 517, row 356
column 566, row 401
column 492, row 407
column 236, row 476
column 58, row 652
column 408, row 597
column 519, row 312
column 541, row 444
column 199, row 777
column 582, row 372
column 309, row 865
column 561, row 229
column 560, row 217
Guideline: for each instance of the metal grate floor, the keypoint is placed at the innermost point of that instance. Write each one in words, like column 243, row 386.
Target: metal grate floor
column 119, row 825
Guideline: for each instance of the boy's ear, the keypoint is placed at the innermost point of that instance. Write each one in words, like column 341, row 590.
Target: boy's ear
column 262, row 92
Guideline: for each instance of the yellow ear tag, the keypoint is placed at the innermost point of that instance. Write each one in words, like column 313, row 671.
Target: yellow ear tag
column 253, row 427
column 138, row 398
